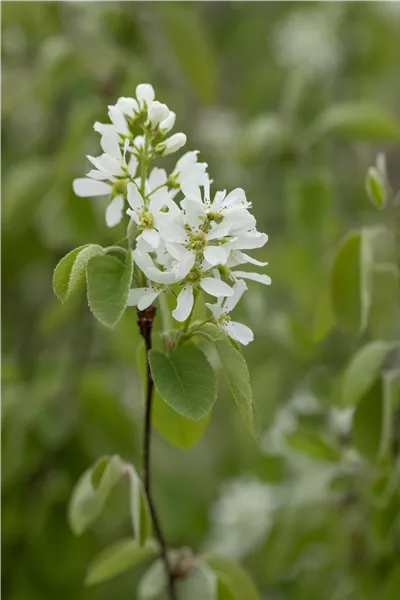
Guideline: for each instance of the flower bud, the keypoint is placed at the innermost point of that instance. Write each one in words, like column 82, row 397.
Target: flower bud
column 172, row 144
column 158, row 112
column 145, row 94
column 168, row 123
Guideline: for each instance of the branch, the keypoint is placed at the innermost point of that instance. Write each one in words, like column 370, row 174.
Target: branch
column 145, row 322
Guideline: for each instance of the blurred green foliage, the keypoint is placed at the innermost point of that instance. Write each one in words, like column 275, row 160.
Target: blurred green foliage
column 292, row 101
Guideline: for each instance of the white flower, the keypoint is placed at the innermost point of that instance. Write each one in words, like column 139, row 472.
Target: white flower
column 108, row 177
column 153, row 212
column 145, row 95
column 190, row 170
column 221, row 310
column 171, row 144
column 168, row 123
column 143, row 297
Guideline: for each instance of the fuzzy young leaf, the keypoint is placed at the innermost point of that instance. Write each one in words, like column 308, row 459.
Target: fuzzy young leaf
column 368, row 422
column 237, row 375
column 233, row 576
column 364, row 370
column 173, row 427
column 70, row 272
column 356, row 120
column 118, row 558
column 185, row 380
column 92, row 492
column 109, row 281
column 350, row 294
column 376, row 188
column 140, row 515
column 153, row 583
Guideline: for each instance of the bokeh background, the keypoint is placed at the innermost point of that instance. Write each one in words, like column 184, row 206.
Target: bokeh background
column 248, row 81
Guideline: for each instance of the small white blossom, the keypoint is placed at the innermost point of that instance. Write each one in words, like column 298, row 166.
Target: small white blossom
column 171, row 144
column 239, row 332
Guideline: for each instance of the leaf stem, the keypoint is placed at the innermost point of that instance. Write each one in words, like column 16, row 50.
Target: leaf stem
column 145, row 323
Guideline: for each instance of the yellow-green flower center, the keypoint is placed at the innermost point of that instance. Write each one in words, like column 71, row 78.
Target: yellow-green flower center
column 146, row 220
column 197, row 242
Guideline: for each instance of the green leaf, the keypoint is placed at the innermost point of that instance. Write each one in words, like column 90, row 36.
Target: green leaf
column 376, row 188
column 391, row 404
column 139, row 510
column 323, row 320
column 385, row 291
column 185, row 30
column 356, row 120
column 364, row 370
column 224, row 592
column 153, row 583
column 368, row 422
column 237, row 375
column 92, row 492
column 391, row 586
column 185, row 380
column 311, row 443
column 117, row 558
column 109, row 281
column 70, row 272
column 233, row 576
column 173, row 427
column 350, row 298
column 199, row 584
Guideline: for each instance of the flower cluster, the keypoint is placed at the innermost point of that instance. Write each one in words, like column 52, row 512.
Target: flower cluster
column 179, row 246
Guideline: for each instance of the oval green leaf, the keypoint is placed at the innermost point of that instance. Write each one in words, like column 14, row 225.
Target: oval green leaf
column 70, row 272
column 368, row 422
column 364, row 370
column 109, row 281
column 233, row 576
column 118, row 558
column 185, row 380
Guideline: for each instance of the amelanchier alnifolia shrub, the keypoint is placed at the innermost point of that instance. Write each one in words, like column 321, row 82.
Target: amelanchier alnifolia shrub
column 183, row 241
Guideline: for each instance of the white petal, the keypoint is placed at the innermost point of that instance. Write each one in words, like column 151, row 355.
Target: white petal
column 172, row 232
column 128, row 106
column 106, row 163
column 184, row 266
column 145, row 94
column 118, row 120
column 158, row 276
column 184, row 305
column 147, row 299
column 216, row 309
column 219, row 231
column 142, row 259
column 135, row 200
column 253, row 276
column 216, row 255
column 152, row 237
column 186, row 160
column 239, row 332
column 171, row 144
column 238, row 290
column 250, row 241
column 98, row 175
column 216, row 287
column 132, row 165
column 86, row 187
column 157, row 113
column 193, row 211
column 135, row 294
column 191, row 190
column 110, row 144
column 114, row 211
column 157, row 177
column 236, row 197
column 133, row 215
column 241, row 258
column 103, row 127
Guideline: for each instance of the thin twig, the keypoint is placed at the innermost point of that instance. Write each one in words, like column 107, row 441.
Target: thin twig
column 145, row 322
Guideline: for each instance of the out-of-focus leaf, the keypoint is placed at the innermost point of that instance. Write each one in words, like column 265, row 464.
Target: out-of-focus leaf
column 92, row 492
column 309, row 205
column 185, row 380
column 312, row 444
column 376, row 188
column 266, row 134
column 187, row 32
column 172, row 426
column 385, row 290
column 153, row 583
column 109, row 281
column 323, row 320
column 117, row 558
column 391, row 404
column 237, row 375
column 234, row 576
column 364, row 370
column 356, row 120
column 139, row 510
column 349, row 287
column 368, row 421
column 70, row 272
column 391, row 586
column 199, row 584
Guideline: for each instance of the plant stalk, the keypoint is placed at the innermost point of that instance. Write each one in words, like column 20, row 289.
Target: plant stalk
column 145, row 322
